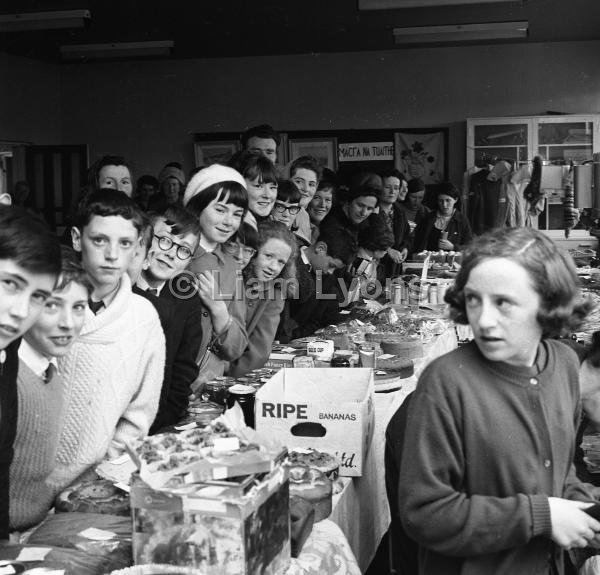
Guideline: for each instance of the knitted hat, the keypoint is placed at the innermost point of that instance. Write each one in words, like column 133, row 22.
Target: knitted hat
column 171, row 172
column 207, row 177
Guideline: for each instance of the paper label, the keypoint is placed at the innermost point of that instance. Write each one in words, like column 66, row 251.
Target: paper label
column 206, row 505
column 33, row 554
column 122, row 486
column 219, row 472
column 386, row 356
column 227, row 444
column 120, row 460
column 190, row 425
column 97, row 534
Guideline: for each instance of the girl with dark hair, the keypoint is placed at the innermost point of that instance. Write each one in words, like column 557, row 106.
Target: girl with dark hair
column 488, row 484
column 260, row 176
column 243, row 245
column 287, row 205
column 217, row 197
column 269, row 278
column 446, row 228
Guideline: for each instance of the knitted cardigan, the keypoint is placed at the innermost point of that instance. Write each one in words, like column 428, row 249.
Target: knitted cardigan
column 487, row 444
column 113, row 376
column 40, row 413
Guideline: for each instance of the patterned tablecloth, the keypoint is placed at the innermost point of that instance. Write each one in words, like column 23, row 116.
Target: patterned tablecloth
column 361, row 510
column 326, row 551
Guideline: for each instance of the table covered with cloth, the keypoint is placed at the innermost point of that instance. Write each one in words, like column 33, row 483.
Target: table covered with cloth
column 361, row 510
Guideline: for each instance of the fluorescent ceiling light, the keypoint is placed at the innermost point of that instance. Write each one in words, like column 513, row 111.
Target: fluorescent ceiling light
column 461, row 32
column 397, row 4
column 117, row 50
column 44, row 20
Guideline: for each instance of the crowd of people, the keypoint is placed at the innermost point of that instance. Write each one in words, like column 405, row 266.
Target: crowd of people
column 158, row 285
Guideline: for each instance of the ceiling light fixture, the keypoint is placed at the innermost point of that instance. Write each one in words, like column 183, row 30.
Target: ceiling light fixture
column 397, row 4
column 116, row 50
column 44, row 20
column 461, row 32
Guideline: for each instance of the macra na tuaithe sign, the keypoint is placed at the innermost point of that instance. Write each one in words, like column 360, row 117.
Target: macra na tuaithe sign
column 366, row 152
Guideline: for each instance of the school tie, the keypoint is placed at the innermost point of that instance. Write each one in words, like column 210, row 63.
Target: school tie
column 95, row 306
column 152, row 291
column 49, row 373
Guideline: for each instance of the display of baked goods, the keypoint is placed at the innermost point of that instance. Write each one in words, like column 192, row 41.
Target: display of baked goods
column 324, row 462
column 401, row 366
column 313, row 486
column 201, row 454
column 97, row 496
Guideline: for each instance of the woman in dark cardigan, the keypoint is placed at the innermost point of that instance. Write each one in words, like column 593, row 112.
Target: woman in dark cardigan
column 446, row 228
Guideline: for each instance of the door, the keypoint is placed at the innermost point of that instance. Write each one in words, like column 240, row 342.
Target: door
column 56, row 175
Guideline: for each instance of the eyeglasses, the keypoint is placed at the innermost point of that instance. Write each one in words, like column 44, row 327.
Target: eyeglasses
column 233, row 248
column 281, row 207
column 165, row 244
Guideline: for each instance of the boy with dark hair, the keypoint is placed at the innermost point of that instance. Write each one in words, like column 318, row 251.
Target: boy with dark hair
column 287, row 204
column 340, row 228
column 305, row 172
column 262, row 139
column 29, row 266
column 113, row 373
column 374, row 240
column 40, row 393
column 173, row 239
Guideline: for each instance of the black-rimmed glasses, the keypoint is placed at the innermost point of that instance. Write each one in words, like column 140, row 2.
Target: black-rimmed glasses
column 233, row 248
column 165, row 244
column 281, row 208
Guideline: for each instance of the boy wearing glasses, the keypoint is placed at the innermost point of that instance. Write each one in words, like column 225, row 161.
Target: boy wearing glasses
column 287, row 204
column 173, row 239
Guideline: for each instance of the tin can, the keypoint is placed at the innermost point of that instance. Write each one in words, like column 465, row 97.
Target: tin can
column 341, row 359
column 244, row 395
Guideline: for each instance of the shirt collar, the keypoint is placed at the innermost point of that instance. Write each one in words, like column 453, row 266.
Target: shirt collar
column 108, row 298
column 144, row 285
column 34, row 360
column 303, row 255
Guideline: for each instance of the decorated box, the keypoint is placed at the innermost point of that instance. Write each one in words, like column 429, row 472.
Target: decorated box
column 239, row 526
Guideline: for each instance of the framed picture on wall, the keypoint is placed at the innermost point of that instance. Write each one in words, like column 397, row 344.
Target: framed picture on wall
column 324, row 150
column 422, row 154
column 214, row 152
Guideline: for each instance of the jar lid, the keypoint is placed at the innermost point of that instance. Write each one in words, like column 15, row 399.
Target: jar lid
column 241, row 388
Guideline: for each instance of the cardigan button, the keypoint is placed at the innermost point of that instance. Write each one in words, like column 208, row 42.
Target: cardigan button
column 547, row 463
column 205, row 313
column 533, row 381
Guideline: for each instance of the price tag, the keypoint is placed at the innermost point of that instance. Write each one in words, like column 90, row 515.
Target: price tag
column 97, row 534
column 33, row 554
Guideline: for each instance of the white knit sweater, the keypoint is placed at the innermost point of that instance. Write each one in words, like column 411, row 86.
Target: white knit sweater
column 113, row 376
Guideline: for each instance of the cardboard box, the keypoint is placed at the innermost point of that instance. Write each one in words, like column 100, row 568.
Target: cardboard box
column 333, row 405
column 220, row 529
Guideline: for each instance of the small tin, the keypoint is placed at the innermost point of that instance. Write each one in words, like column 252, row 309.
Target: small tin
column 341, row 359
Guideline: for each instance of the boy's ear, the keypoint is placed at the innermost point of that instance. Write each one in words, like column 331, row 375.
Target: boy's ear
column 76, row 238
